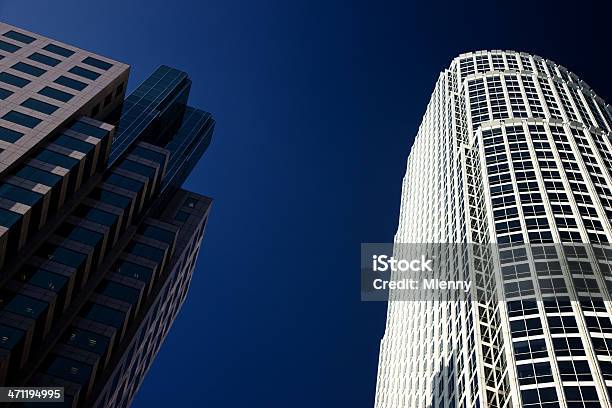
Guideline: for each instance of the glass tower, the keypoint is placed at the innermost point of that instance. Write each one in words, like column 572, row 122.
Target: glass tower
column 98, row 242
column 513, row 153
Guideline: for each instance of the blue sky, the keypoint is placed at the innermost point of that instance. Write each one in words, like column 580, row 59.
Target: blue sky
column 316, row 104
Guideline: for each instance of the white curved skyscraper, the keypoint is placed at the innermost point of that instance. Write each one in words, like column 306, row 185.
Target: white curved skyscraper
column 515, row 151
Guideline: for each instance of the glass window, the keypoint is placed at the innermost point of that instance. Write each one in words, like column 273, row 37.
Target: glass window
column 124, row 182
column 80, row 234
column 40, row 106
column 181, row 216
column 13, row 79
column 190, row 202
column 135, row 271
column 159, row 234
column 74, row 144
column 8, row 47
column 38, row 176
column 138, row 168
column 5, row 93
column 56, row 49
column 9, row 135
column 8, row 218
column 48, row 280
column 62, row 255
column 108, row 197
column 98, row 216
column 28, row 69
column 18, row 194
column 105, row 315
column 89, row 130
column 146, row 251
column 14, row 35
column 94, row 62
column 71, row 83
column 150, row 155
column 69, row 369
column 85, row 73
column 10, row 336
column 26, row 306
column 22, row 119
column 87, row 340
column 44, row 59
column 119, row 89
column 58, row 159
column 118, row 291
column 55, row 94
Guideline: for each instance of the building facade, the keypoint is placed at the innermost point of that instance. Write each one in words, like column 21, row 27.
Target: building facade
column 98, row 242
column 513, row 156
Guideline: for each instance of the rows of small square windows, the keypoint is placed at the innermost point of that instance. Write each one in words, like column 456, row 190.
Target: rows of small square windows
column 53, row 48
column 34, row 104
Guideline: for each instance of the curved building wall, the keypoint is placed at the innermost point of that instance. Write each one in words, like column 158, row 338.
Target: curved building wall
column 514, row 152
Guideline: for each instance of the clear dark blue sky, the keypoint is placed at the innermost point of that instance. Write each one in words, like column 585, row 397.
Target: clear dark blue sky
column 316, row 105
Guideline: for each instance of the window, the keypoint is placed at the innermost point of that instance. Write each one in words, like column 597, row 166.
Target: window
column 8, row 218
column 22, row 119
column 119, row 90
column 62, row 255
column 55, row 94
column 44, row 59
column 58, row 159
column 38, row 176
column 81, row 235
column 74, row 144
column 118, row 291
column 4, row 93
column 94, row 62
column 573, row 395
column 48, row 280
column 87, row 340
column 124, row 182
column 190, row 202
column 13, row 79
column 95, row 110
column 104, row 315
column 89, row 130
column 26, row 306
column 150, row 155
column 71, row 83
column 8, row 47
column 108, row 197
column 138, row 168
column 146, row 251
column 10, row 337
column 28, row 69
column 69, row 369
column 159, row 234
column 39, row 106
column 9, row 135
column 18, row 194
column 56, row 49
column 135, row 271
column 14, row 35
column 85, row 73
column 181, row 216
column 98, row 216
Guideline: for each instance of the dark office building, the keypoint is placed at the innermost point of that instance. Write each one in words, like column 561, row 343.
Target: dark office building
column 98, row 241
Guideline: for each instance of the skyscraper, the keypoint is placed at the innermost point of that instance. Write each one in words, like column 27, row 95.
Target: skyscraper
column 513, row 153
column 98, row 242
